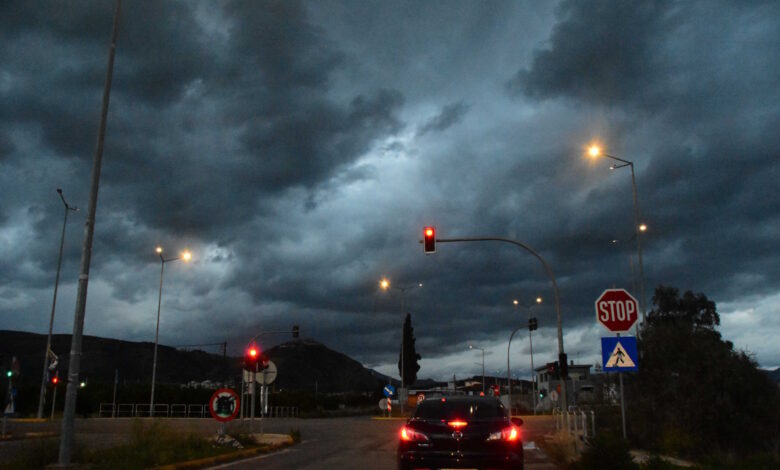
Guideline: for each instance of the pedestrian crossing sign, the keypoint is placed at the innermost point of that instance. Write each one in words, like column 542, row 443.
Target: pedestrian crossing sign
column 619, row 354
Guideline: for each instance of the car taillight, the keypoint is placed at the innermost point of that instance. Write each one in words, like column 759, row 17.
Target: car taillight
column 457, row 424
column 508, row 434
column 410, row 435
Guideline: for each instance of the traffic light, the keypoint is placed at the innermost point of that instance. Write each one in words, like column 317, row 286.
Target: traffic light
column 9, row 373
column 552, row 370
column 429, row 239
column 542, row 393
column 251, row 356
column 296, row 331
column 564, row 367
column 55, row 379
column 532, row 324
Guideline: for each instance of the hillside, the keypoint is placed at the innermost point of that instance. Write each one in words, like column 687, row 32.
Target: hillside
column 302, row 364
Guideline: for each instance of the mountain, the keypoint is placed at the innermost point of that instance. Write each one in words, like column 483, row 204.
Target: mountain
column 774, row 375
column 302, row 364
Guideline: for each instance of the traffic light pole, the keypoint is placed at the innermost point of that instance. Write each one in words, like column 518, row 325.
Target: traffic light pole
column 552, row 279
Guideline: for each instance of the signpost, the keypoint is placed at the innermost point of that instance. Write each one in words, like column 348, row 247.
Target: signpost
column 224, row 405
column 389, row 391
column 617, row 311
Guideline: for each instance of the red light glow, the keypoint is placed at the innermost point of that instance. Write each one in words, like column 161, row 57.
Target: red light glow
column 510, row 434
column 428, row 232
column 457, row 424
column 253, row 352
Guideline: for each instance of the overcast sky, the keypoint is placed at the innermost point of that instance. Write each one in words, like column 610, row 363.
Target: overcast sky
column 298, row 148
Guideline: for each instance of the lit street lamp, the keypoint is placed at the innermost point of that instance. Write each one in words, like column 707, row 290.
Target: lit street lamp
column 46, row 355
column 595, row 151
column 185, row 256
column 530, row 339
column 471, row 346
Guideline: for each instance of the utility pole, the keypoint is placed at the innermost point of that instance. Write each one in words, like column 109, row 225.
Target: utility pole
column 66, row 435
column 46, row 362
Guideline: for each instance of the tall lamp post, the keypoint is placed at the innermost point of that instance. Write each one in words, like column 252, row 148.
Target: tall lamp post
column 595, row 151
column 385, row 284
column 42, row 397
column 471, row 346
column 530, row 339
column 185, row 256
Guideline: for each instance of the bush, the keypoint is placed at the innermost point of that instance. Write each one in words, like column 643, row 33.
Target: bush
column 605, row 452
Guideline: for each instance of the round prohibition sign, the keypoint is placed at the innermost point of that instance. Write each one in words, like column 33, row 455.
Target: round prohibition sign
column 224, row 405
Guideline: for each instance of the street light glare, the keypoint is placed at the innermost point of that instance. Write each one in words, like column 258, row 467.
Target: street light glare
column 538, row 300
column 515, row 302
column 186, row 256
column 594, row 151
column 642, row 228
column 158, row 249
column 384, row 284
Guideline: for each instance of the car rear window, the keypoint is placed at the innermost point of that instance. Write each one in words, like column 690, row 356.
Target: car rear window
column 460, row 409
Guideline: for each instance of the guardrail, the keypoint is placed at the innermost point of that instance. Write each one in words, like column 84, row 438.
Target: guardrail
column 180, row 410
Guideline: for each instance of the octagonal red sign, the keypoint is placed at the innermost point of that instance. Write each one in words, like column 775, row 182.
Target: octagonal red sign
column 617, row 310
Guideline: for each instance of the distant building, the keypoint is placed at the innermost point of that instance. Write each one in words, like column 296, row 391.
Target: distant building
column 579, row 385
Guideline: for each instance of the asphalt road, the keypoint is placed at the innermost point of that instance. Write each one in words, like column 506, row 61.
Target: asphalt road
column 361, row 443
column 335, row 443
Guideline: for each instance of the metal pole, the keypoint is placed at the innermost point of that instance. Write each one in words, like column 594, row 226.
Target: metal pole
column 508, row 373
column 483, row 370
column 66, row 435
column 156, row 337
column 253, row 391
column 116, row 381
column 549, row 274
column 533, row 372
column 403, row 349
column 622, row 405
column 638, row 246
column 53, row 402
column 42, row 397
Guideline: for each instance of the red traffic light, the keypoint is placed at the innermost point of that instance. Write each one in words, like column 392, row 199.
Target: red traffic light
column 251, row 356
column 429, row 239
column 55, row 380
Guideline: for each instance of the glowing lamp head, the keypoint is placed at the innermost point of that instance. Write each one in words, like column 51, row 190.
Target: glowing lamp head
column 253, row 352
column 457, row 424
column 158, row 250
column 186, row 256
column 538, row 300
column 515, row 302
column 55, row 380
column 594, row 151
column 384, row 284
column 642, row 227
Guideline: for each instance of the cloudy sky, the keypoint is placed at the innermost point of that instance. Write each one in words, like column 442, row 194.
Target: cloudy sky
column 298, row 148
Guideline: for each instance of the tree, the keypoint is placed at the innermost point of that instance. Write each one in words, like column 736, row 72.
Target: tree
column 694, row 394
column 408, row 354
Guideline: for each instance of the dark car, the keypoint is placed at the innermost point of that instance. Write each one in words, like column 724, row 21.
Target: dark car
column 461, row 432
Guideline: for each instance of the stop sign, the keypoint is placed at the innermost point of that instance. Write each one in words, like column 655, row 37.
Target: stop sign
column 617, row 310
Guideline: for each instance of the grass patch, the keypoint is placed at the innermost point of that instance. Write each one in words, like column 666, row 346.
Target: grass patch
column 295, row 435
column 151, row 446
column 560, row 449
column 38, row 454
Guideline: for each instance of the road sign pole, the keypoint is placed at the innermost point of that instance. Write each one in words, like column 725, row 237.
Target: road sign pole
column 622, row 402
column 252, row 412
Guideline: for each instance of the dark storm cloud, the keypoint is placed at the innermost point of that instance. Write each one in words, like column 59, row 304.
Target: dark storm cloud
column 448, row 117
column 298, row 148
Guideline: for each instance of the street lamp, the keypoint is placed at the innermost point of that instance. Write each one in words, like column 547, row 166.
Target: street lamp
column 471, row 346
column 516, row 303
column 68, row 208
column 185, row 256
column 595, row 151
